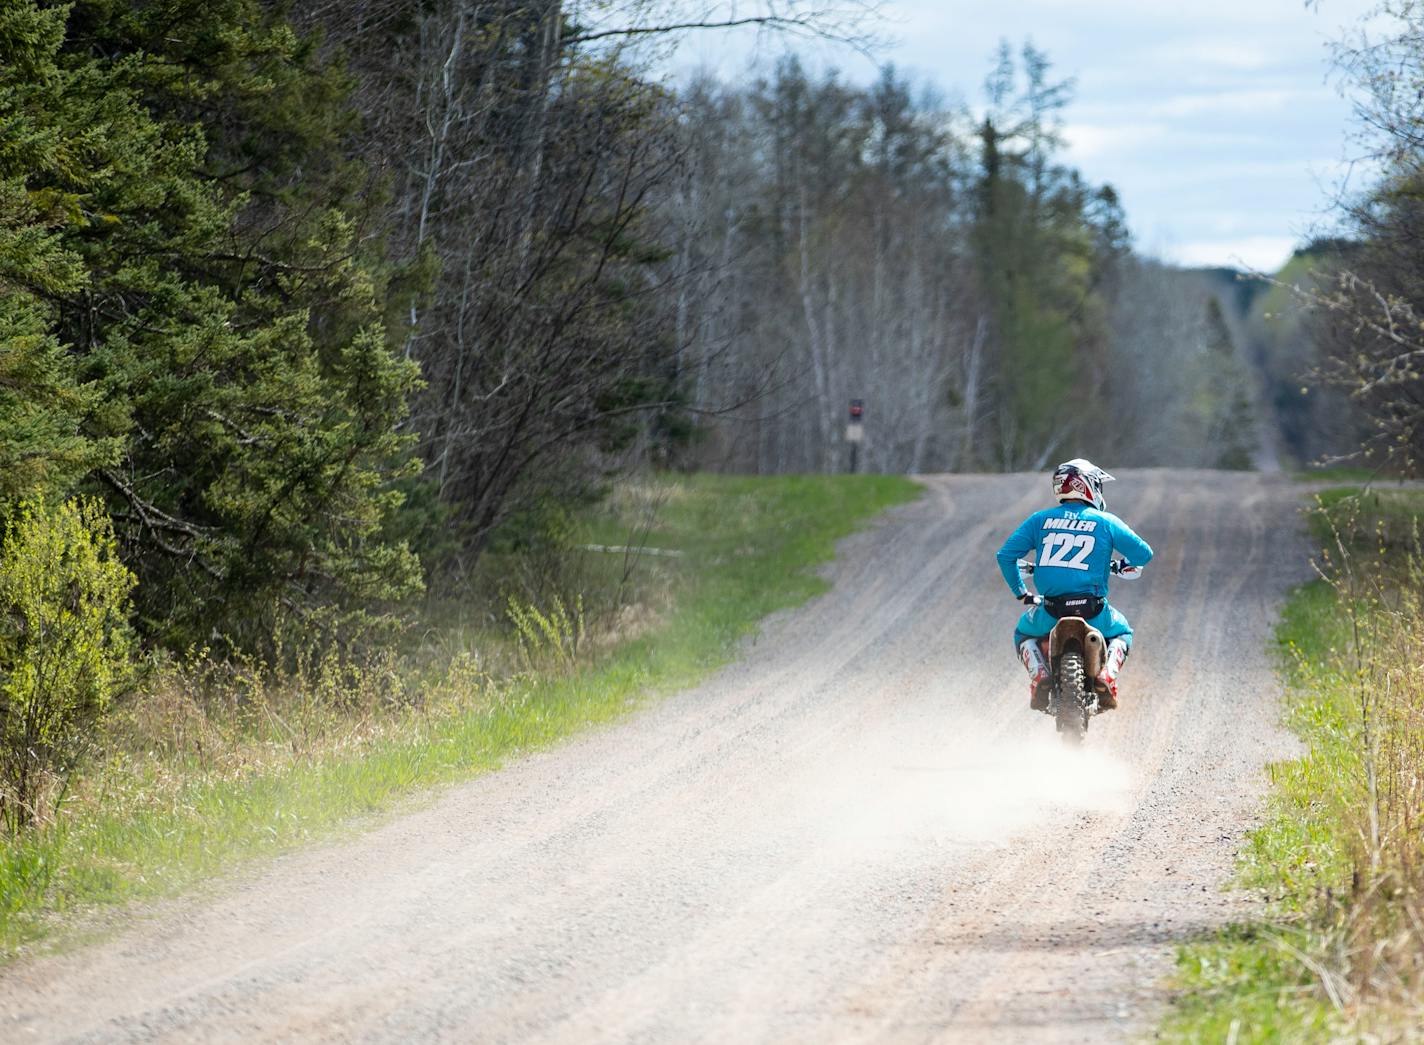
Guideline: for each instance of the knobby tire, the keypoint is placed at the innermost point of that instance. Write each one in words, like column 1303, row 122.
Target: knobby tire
column 1072, row 698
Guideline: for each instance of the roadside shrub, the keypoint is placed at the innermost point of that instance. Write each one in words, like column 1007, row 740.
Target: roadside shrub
column 65, row 646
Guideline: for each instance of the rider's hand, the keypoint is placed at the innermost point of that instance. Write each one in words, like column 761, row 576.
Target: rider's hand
column 1123, row 569
column 1028, row 599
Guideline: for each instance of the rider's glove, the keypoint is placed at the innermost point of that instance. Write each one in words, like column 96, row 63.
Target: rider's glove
column 1123, row 569
column 1027, row 599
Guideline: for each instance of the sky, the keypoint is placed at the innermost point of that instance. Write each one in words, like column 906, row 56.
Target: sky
column 1218, row 121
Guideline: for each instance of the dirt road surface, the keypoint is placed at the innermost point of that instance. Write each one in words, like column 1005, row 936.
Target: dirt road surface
column 858, row 833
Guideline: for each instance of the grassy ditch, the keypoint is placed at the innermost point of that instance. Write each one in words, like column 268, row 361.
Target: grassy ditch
column 211, row 765
column 1340, row 474
column 1340, row 855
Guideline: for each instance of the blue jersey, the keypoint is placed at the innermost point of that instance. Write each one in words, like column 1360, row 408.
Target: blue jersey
column 1073, row 546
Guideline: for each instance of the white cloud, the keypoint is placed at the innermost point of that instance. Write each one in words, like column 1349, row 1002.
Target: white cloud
column 1244, row 102
column 1222, row 54
column 1263, row 253
column 1148, row 142
column 1089, row 140
column 1326, row 173
column 1272, row 13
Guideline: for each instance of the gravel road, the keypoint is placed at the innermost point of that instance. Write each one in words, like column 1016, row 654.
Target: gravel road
column 857, row 833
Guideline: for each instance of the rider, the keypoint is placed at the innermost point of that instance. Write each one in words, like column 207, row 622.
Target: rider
column 1074, row 545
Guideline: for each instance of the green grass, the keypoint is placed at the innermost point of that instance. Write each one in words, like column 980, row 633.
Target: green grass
column 1370, row 521
column 1246, row 985
column 1262, row 982
column 1342, row 474
column 1249, row 983
column 750, row 547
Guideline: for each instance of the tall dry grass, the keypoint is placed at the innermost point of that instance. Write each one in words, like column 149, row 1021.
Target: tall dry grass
column 1374, row 924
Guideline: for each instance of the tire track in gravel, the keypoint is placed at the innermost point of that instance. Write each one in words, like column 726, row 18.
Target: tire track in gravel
column 856, row 833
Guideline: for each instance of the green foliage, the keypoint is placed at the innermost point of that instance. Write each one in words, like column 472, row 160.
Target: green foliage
column 194, row 324
column 43, row 190
column 64, row 645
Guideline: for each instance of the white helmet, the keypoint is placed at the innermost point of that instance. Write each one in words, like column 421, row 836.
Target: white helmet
column 1080, row 480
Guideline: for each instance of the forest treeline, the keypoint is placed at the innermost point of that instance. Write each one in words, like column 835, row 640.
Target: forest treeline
column 319, row 299
column 950, row 270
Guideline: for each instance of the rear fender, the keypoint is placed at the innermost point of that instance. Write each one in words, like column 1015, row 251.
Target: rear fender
column 1069, row 630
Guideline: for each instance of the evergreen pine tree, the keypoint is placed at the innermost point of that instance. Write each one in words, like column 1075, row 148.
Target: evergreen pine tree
column 1223, row 400
column 43, row 448
column 241, row 408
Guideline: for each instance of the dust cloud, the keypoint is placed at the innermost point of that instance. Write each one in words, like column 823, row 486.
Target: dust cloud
column 973, row 790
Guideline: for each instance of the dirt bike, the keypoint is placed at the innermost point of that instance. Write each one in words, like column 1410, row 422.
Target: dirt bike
column 1075, row 653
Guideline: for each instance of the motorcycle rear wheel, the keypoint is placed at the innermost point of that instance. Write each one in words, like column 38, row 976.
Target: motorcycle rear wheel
column 1072, row 717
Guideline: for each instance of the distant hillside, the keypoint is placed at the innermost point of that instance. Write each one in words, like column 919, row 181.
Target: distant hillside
column 1238, row 290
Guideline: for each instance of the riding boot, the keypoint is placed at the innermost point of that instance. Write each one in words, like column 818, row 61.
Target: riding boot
column 1040, row 684
column 1106, row 682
